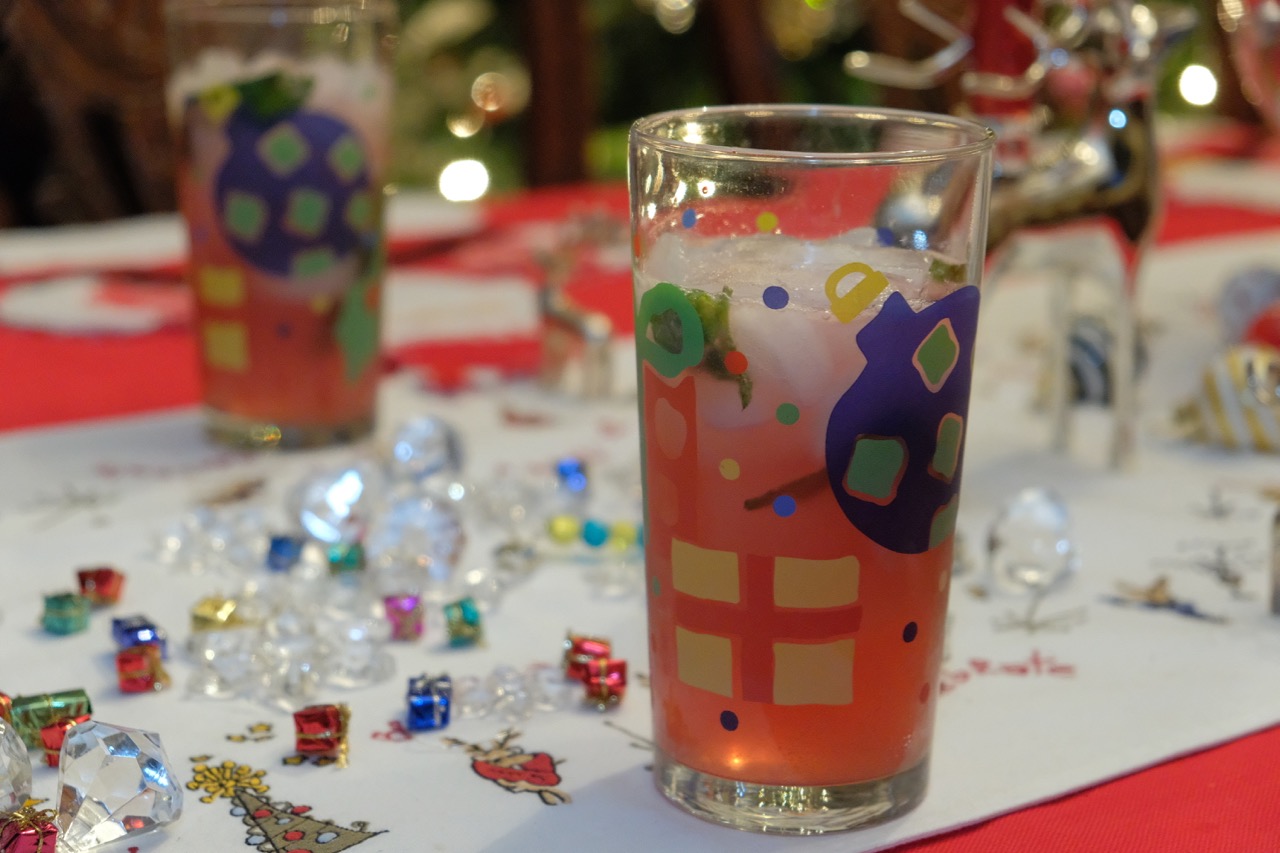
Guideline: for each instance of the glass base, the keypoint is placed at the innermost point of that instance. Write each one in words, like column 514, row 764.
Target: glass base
column 789, row 809
column 237, row 431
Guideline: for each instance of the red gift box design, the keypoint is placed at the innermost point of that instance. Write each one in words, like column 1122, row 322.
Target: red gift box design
column 28, row 831
column 606, row 681
column 52, row 736
column 322, row 731
column 140, row 670
column 580, row 650
column 101, row 585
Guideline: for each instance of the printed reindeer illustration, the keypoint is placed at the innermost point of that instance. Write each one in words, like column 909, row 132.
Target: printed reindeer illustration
column 508, row 765
column 1075, row 189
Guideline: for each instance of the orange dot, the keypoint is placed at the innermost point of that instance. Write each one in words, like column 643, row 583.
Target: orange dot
column 735, row 362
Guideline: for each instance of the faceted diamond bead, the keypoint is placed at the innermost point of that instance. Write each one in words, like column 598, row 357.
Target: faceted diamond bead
column 425, row 449
column 335, row 506
column 15, row 770
column 113, row 782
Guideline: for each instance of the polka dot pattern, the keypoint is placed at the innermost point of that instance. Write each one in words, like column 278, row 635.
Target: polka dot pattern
column 729, row 721
column 776, row 297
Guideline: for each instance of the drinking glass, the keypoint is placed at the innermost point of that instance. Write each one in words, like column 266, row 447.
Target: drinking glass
column 806, row 283
column 281, row 109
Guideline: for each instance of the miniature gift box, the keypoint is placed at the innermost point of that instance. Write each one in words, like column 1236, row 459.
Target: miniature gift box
column 462, row 618
column 580, row 650
column 30, row 714
column 140, row 670
column 216, row 613
column 52, row 736
column 65, row 613
column 28, row 831
column 606, row 682
column 132, row 631
column 6, row 707
column 345, row 559
column 284, row 552
column 429, row 702
column 102, row 585
column 322, row 731
column 405, row 613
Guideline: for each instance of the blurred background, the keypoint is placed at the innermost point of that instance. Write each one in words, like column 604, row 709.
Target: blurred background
column 494, row 95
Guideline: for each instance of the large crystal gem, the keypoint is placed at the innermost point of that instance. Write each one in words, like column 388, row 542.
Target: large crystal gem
column 420, row 533
column 1029, row 546
column 15, row 770
column 113, row 782
column 426, row 449
column 335, row 506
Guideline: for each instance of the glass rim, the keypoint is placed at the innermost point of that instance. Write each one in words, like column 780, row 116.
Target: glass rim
column 645, row 129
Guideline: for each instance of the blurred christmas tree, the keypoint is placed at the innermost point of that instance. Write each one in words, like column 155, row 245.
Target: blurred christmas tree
column 464, row 80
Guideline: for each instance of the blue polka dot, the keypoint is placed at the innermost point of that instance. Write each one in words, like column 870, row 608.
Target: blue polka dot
column 729, row 720
column 784, row 505
column 776, row 297
column 688, row 219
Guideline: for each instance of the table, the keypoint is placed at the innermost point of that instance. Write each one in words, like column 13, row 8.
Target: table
column 1215, row 798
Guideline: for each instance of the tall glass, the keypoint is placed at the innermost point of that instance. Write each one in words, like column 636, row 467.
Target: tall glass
column 282, row 110
column 807, row 298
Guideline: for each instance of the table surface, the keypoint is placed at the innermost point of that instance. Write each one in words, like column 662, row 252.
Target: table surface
column 1217, row 797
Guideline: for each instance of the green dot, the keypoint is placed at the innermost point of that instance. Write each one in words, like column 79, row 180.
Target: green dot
column 245, row 215
column 788, row 413
column 284, row 149
column 875, row 468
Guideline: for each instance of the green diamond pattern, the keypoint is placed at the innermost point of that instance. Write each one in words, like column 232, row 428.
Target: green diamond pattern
column 359, row 212
column 283, row 149
column 308, row 212
column 944, row 523
column 313, row 262
column 245, row 215
column 936, row 356
column 946, row 453
column 346, row 158
column 875, row 468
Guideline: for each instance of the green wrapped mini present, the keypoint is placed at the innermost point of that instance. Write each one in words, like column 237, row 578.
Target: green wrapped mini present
column 65, row 613
column 32, row 713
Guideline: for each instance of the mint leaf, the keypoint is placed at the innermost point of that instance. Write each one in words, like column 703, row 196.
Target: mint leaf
column 713, row 313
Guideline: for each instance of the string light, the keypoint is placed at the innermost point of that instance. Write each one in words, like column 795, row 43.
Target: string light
column 1197, row 85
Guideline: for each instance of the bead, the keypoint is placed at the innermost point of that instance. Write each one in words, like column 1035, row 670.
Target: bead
column 101, row 585
column 462, row 618
column 571, row 472
column 623, row 535
column 65, row 613
column 429, row 701
column 563, row 529
column 594, row 532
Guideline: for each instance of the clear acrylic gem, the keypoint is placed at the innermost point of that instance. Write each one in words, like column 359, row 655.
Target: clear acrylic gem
column 336, row 506
column 15, row 770
column 426, row 448
column 1029, row 545
column 422, row 533
column 113, row 782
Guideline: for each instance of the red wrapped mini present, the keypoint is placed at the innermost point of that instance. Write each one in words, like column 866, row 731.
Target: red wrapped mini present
column 52, row 736
column 6, row 707
column 140, row 669
column 580, row 650
column 606, row 682
column 322, row 731
column 28, row 831
column 101, row 585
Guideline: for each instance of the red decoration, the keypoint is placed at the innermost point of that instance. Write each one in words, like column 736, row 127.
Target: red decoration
column 606, row 681
column 6, row 707
column 140, row 669
column 101, row 585
column 322, row 731
column 579, row 650
column 28, row 831
column 52, row 736
column 1264, row 328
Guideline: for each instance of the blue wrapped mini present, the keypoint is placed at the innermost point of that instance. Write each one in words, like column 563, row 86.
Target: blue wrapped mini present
column 130, row 631
column 284, row 552
column 429, row 700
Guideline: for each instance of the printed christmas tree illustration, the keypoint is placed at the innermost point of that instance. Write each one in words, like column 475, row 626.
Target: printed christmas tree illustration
column 279, row 827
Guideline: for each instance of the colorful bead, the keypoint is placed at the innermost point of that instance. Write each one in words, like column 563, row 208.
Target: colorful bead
column 101, row 585
column 30, row 714
column 130, row 631
column 572, row 474
column 65, row 613
column 563, row 529
column 52, row 736
column 284, row 552
column 405, row 613
column 429, row 702
column 462, row 619
column 321, row 731
column 623, row 535
column 595, row 533
column 580, row 650
column 606, row 682
column 139, row 669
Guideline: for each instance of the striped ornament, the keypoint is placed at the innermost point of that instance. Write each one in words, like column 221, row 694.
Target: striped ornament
column 1238, row 404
